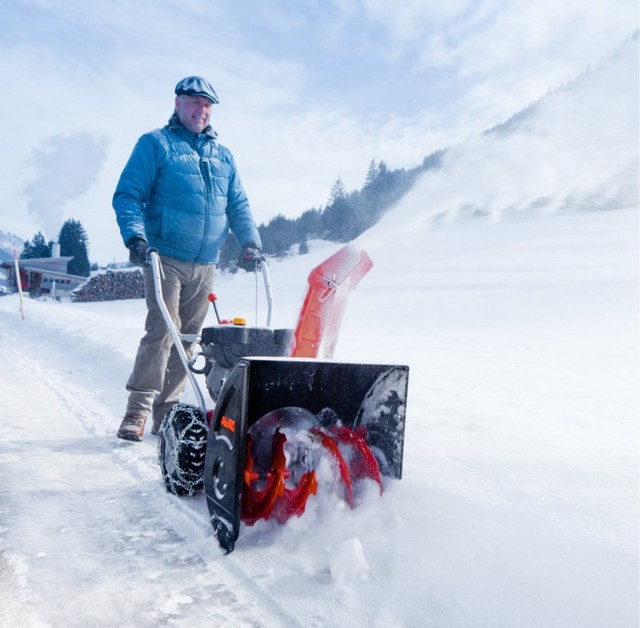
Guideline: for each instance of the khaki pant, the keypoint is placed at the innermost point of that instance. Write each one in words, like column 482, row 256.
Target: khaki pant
column 158, row 378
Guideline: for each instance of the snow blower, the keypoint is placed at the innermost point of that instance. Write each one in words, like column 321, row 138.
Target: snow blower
column 282, row 406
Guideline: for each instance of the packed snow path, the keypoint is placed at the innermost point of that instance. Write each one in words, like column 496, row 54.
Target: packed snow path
column 101, row 547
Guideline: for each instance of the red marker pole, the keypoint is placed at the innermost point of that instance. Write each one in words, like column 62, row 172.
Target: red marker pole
column 18, row 280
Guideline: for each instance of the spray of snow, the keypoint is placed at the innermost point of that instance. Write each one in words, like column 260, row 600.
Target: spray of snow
column 573, row 150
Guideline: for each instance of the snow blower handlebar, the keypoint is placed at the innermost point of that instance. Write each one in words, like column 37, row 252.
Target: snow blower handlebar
column 267, row 290
column 178, row 338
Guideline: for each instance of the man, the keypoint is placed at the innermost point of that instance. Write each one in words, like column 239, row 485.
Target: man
column 179, row 194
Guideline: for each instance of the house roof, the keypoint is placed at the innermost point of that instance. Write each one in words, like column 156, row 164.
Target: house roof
column 47, row 266
column 55, row 274
column 39, row 262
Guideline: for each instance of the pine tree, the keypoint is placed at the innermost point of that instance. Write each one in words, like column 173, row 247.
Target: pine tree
column 73, row 242
column 309, row 225
column 339, row 221
column 337, row 191
column 279, row 236
column 36, row 248
column 372, row 173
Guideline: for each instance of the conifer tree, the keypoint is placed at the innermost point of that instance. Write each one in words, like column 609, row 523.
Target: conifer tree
column 337, row 191
column 73, row 242
column 309, row 225
column 372, row 173
column 36, row 248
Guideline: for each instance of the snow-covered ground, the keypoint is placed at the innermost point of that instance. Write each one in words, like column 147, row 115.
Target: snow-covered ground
column 510, row 292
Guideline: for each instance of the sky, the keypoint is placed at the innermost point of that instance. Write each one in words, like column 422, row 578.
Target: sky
column 310, row 91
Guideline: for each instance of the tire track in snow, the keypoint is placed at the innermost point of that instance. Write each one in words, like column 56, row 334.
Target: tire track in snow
column 180, row 527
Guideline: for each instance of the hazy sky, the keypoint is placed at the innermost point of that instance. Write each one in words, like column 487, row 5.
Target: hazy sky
column 310, row 89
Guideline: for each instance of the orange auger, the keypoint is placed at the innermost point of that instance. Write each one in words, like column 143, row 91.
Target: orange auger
column 275, row 499
column 366, row 464
column 330, row 444
column 258, row 504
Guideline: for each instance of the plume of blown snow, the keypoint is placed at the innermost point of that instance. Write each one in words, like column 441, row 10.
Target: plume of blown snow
column 575, row 148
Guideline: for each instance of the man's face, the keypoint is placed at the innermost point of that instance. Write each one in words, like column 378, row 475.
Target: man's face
column 194, row 112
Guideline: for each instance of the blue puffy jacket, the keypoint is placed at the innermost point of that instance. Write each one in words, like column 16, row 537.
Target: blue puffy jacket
column 180, row 192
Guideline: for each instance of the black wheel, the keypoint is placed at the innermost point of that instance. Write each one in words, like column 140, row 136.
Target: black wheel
column 182, row 444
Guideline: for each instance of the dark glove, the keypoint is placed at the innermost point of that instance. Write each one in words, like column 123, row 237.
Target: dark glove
column 250, row 258
column 138, row 251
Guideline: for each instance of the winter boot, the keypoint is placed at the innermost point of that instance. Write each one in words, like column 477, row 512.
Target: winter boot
column 132, row 427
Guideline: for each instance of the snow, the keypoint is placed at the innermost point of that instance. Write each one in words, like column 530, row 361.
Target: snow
column 519, row 501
